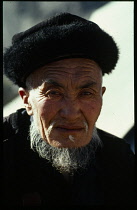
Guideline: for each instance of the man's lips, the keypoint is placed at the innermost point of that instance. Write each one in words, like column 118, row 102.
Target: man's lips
column 64, row 128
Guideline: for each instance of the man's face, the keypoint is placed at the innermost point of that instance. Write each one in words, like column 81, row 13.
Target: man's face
column 66, row 101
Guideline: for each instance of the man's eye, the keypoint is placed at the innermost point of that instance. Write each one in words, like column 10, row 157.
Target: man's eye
column 86, row 93
column 53, row 93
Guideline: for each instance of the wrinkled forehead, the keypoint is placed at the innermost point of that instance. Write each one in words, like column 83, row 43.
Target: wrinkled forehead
column 76, row 68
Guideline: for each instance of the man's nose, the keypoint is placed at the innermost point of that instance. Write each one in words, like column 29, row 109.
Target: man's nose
column 70, row 110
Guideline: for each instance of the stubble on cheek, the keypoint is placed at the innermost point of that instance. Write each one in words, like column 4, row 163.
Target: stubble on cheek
column 38, row 123
column 42, row 129
column 39, row 120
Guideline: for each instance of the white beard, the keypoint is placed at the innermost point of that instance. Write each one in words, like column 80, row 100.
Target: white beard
column 66, row 160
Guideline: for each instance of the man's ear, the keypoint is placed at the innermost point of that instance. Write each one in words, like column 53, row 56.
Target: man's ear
column 103, row 90
column 25, row 97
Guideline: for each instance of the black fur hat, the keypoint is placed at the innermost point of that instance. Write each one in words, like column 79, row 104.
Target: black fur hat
column 62, row 36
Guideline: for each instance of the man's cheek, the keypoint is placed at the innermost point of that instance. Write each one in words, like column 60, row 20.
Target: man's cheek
column 42, row 127
column 92, row 111
column 43, row 121
column 48, row 112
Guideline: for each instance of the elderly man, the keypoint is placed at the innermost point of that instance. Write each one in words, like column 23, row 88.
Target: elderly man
column 53, row 152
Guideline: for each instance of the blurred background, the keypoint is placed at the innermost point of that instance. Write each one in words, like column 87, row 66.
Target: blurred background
column 116, row 18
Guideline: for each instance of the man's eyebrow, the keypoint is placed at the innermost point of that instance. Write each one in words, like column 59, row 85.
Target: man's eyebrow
column 87, row 85
column 57, row 84
column 52, row 82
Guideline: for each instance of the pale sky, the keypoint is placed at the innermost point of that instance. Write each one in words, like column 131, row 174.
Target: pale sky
column 117, row 114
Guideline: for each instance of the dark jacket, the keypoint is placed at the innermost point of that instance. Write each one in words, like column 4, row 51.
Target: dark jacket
column 31, row 180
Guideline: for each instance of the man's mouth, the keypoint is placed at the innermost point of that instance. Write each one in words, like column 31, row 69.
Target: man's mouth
column 69, row 129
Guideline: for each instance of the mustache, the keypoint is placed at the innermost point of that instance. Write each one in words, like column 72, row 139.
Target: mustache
column 55, row 124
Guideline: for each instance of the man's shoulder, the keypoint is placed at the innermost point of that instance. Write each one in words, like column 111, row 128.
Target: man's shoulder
column 15, row 135
column 108, row 138
column 115, row 148
column 15, row 122
column 116, row 162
